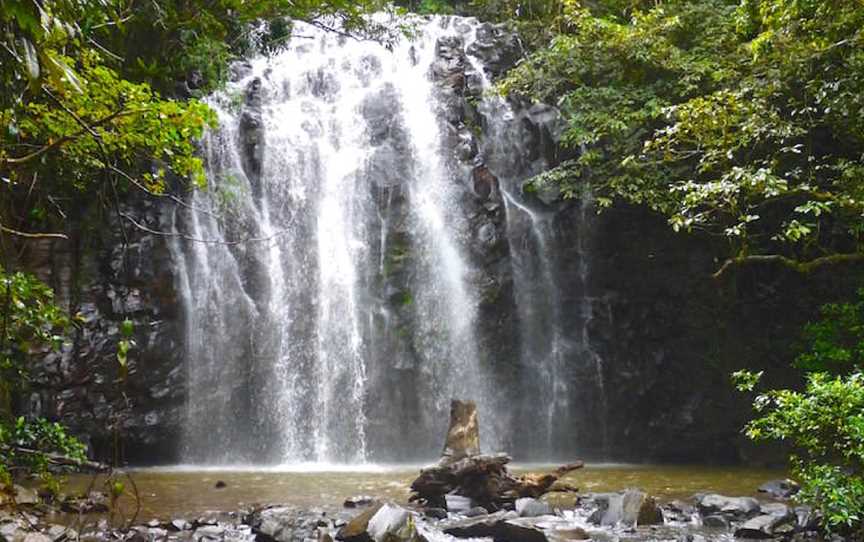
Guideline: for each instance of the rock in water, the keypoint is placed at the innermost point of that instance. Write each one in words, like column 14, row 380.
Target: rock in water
column 463, row 436
column 356, row 529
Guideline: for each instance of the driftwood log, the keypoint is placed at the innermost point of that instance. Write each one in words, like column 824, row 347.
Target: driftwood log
column 464, row 471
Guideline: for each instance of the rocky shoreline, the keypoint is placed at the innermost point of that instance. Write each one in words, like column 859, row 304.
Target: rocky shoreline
column 630, row 514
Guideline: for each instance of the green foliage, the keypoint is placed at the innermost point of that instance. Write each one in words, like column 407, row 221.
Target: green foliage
column 26, row 445
column 29, row 319
column 742, row 120
column 825, row 426
column 824, row 423
column 836, row 340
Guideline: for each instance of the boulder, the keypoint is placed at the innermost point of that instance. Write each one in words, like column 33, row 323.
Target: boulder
column 528, row 507
column 279, row 524
column 732, row 507
column 356, row 530
column 392, row 523
column 457, row 503
column 629, row 508
column 760, row 527
column 715, row 522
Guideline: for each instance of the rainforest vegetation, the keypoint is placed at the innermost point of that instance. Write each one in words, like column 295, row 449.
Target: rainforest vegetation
column 740, row 122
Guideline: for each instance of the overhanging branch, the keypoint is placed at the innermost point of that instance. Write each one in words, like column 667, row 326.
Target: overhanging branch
column 796, row 265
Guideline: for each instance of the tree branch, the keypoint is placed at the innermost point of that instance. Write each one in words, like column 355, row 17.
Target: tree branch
column 29, row 235
column 799, row 266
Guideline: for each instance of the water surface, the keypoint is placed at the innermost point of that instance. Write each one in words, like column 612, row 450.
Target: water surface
column 190, row 490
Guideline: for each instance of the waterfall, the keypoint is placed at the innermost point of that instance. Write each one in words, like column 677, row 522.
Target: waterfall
column 331, row 213
column 559, row 365
column 330, row 276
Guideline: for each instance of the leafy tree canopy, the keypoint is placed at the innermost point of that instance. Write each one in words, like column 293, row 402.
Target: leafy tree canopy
column 84, row 107
column 741, row 120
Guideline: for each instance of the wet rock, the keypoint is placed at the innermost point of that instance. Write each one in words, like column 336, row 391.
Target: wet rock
column 734, row 507
column 780, row 489
column 484, row 182
column 476, row 511
column 627, row 508
column 715, row 522
column 775, row 509
column 36, row 537
column 498, row 526
column 281, row 524
column 25, row 495
column 568, row 533
column 181, row 524
column 358, row 500
column 529, row 508
column 210, row 532
column 457, row 503
column 435, row 513
column 356, row 529
column 391, row 523
column 760, row 527
column 679, row 511
column 220, row 484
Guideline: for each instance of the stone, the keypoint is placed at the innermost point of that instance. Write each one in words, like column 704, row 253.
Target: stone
column 626, row 509
column 780, row 489
column 209, row 532
column 715, row 522
column 280, row 524
column 457, row 503
column 463, row 435
column 180, row 524
column 568, row 533
column 220, row 484
column 734, row 507
column 391, row 523
column 529, row 508
column 36, row 537
column 775, row 509
column 435, row 513
column 475, row 511
column 26, row 495
column 356, row 529
column 759, row 527
column 497, row 526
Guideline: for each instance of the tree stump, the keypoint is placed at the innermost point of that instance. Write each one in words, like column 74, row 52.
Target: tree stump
column 463, row 470
column 463, row 435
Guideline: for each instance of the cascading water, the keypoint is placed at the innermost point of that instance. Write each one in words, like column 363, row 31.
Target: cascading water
column 330, row 197
column 330, row 274
column 554, row 359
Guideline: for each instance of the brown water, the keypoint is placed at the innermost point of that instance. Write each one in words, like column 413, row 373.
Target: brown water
column 187, row 492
